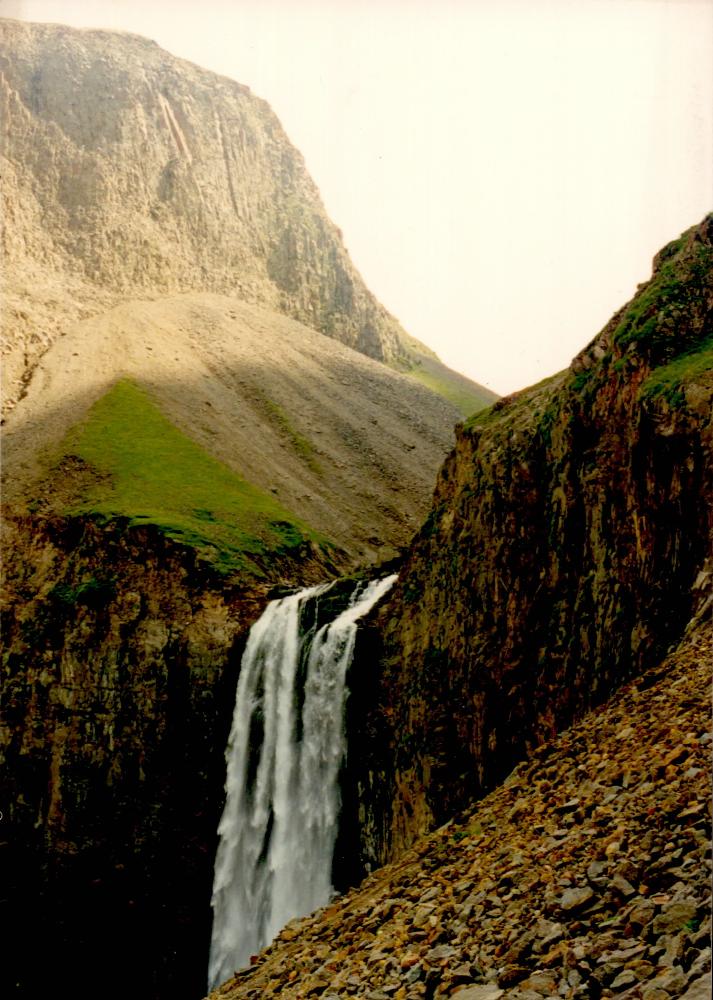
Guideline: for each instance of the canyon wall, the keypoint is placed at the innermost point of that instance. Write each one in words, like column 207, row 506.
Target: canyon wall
column 567, row 548
column 121, row 659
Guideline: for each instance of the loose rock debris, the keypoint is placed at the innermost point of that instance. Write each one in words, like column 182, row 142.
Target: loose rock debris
column 586, row 875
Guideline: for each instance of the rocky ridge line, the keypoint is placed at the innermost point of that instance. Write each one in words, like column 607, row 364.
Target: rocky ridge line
column 586, row 875
column 130, row 173
column 560, row 558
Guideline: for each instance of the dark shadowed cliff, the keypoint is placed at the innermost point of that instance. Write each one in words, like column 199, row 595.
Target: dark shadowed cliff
column 567, row 549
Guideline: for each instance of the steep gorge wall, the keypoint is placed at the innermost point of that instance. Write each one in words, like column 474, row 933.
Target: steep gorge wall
column 565, row 551
column 121, row 654
column 130, row 173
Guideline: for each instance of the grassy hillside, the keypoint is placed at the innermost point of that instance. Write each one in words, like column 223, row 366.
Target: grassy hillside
column 467, row 396
column 667, row 323
column 133, row 462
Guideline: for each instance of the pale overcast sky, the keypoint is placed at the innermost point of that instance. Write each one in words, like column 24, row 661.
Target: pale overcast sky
column 503, row 171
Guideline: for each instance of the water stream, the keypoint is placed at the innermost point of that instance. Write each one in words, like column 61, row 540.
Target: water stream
column 286, row 747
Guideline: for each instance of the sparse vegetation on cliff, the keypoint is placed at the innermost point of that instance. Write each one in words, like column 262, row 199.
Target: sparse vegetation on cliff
column 659, row 318
column 567, row 531
column 669, row 380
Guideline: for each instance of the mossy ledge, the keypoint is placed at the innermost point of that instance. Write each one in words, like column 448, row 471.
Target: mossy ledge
column 662, row 340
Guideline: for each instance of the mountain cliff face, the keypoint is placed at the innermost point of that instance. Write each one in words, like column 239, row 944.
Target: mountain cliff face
column 134, row 173
column 198, row 413
column 567, row 549
column 174, row 461
column 121, row 653
column 129, row 173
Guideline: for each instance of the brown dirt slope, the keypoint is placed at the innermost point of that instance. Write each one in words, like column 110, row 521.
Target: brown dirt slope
column 586, row 874
column 343, row 442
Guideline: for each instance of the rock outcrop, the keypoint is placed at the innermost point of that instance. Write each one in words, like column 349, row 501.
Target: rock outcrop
column 568, row 546
column 134, row 173
column 121, row 654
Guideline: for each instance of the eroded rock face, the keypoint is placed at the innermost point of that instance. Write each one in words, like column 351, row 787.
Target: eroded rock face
column 121, row 656
column 130, row 173
column 569, row 532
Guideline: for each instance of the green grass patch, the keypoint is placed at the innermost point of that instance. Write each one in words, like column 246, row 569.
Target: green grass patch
column 525, row 401
column 466, row 396
column 669, row 380
column 303, row 447
column 581, row 380
column 482, row 418
column 465, row 401
column 656, row 316
column 152, row 473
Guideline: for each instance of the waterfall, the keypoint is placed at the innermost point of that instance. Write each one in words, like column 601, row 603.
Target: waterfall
column 286, row 747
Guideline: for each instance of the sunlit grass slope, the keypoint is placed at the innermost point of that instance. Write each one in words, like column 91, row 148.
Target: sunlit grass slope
column 466, row 395
column 142, row 467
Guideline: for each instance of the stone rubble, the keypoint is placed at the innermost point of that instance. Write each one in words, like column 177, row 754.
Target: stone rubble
column 586, row 875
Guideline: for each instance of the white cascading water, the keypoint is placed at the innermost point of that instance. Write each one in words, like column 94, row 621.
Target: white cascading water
column 280, row 822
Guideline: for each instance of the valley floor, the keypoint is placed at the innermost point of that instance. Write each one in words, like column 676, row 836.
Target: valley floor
column 587, row 874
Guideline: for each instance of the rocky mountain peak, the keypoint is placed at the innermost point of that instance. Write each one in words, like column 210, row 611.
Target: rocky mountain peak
column 128, row 172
